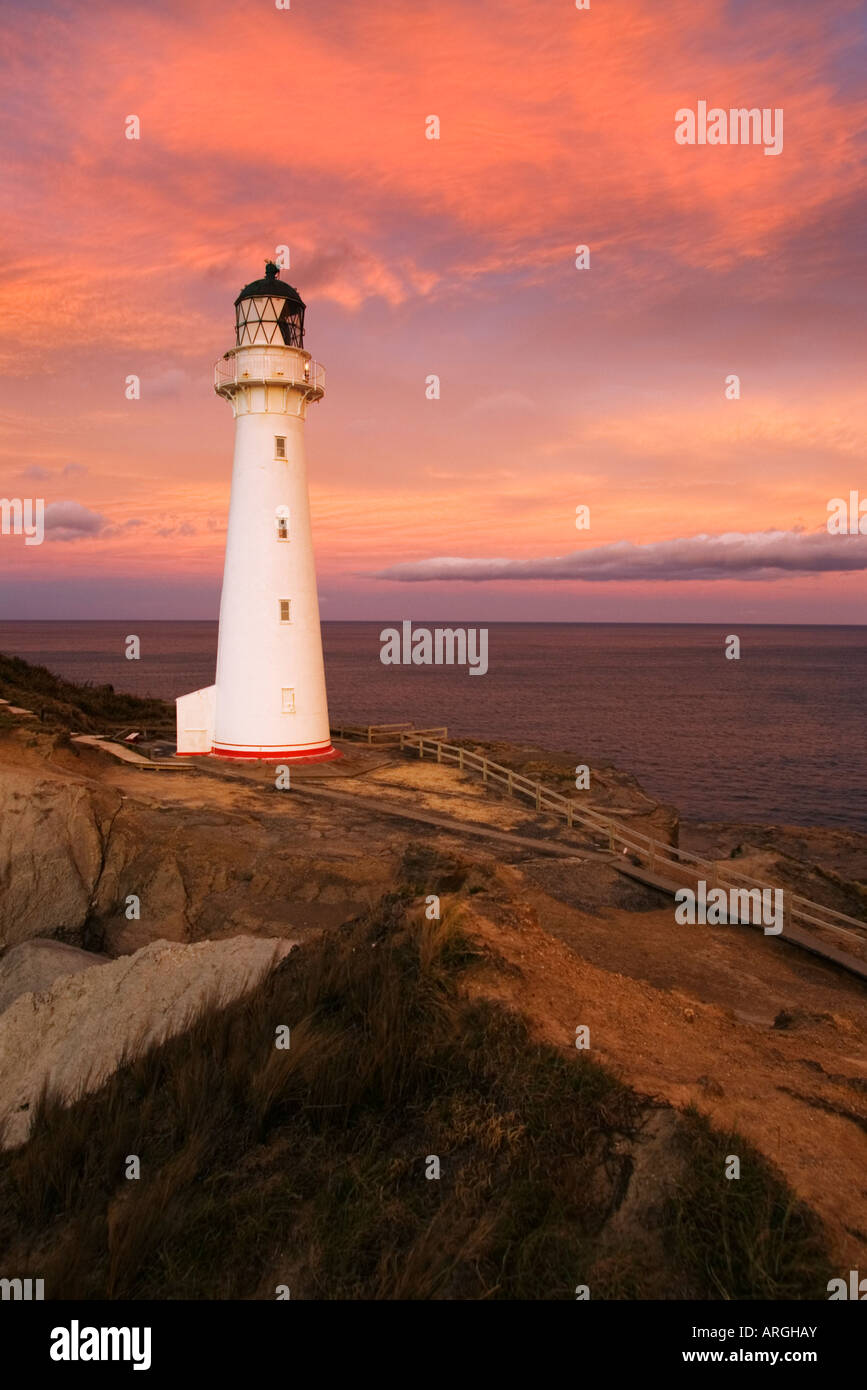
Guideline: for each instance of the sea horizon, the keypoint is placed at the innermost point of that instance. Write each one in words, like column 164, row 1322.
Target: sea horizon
column 775, row 737
column 452, row 622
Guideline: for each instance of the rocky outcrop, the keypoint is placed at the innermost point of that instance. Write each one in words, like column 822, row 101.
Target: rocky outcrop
column 95, row 867
column 210, row 873
column 32, row 967
column 798, row 876
column 52, row 838
column 593, row 886
column 73, row 1036
column 612, row 792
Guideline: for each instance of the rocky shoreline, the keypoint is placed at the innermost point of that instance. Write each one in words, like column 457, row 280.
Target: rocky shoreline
column 132, row 899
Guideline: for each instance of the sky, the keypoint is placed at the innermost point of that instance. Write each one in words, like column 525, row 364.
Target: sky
column 603, row 387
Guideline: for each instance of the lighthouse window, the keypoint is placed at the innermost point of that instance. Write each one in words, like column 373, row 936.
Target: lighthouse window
column 279, row 446
column 288, row 701
column 282, row 528
column 284, row 610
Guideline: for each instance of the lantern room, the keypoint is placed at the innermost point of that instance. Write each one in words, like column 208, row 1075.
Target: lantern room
column 269, row 312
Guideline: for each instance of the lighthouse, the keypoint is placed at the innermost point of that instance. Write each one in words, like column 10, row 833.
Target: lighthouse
column 268, row 700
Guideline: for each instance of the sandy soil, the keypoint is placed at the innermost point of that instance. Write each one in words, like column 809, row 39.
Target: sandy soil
column 684, row 1013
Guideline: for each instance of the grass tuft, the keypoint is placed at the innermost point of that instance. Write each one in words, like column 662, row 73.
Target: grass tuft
column 307, row 1166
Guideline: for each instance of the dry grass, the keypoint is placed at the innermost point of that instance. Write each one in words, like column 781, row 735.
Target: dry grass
column 63, row 704
column 307, row 1166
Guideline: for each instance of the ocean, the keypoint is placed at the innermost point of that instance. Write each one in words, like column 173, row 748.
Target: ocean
column 775, row 737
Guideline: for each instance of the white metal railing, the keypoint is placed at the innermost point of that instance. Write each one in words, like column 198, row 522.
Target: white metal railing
column 652, row 854
column 282, row 367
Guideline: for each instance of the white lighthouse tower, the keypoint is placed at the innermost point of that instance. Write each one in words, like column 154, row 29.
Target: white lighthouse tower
column 269, row 697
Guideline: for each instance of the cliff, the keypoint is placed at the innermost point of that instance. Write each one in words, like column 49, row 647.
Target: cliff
column 412, row 1037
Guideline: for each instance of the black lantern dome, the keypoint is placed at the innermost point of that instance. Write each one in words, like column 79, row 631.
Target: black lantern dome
column 269, row 311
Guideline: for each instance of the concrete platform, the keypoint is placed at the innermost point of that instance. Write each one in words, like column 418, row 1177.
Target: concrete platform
column 355, row 761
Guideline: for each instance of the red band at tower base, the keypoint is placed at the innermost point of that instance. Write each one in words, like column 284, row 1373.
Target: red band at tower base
column 269, row 755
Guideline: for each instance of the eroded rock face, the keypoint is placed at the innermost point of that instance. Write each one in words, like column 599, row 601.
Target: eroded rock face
column 31, row 967
column 52, row 834
column 111, row 862
column 74, row 1035
column 206, row 874
column 74, row 852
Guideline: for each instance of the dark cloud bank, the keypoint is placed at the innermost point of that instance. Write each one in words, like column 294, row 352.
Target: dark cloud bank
column 763, row 555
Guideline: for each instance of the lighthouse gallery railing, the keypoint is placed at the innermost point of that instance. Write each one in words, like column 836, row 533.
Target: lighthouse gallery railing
column 288, row 368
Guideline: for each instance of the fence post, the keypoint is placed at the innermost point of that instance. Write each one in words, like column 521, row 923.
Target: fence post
column 439, row 752
column 461, row 759
column 611, row 838
column 509, row 785
column 485, row 771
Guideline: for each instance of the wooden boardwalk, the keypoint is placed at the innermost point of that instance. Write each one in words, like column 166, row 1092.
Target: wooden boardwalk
column 126, row 754
column 653, row 862
column 577, row 853
column 383, row 735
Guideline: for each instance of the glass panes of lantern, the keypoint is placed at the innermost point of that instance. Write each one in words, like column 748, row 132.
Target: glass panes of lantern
column 267, row 319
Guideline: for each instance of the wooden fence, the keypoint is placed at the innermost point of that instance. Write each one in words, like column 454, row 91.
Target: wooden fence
column 655, row 856
column 383, row 735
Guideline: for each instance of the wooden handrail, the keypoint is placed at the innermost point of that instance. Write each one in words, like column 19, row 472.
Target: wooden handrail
column 662, row 855
column 373, row 734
